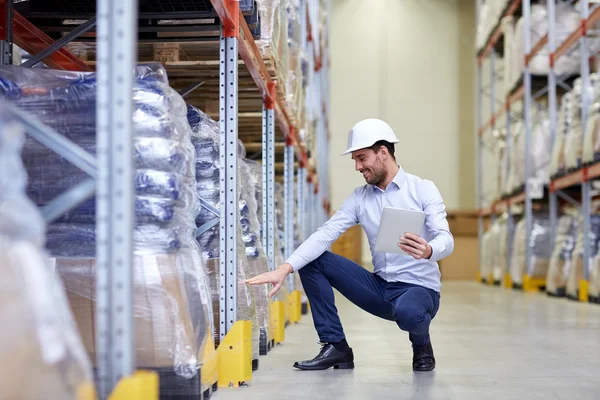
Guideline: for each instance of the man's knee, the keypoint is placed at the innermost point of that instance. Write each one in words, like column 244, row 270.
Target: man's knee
column 410, row 318
column 320, row 264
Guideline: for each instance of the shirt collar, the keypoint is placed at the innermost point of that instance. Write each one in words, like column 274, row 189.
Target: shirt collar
column 398, row 180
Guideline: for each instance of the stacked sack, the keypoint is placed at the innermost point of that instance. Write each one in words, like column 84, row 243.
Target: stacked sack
column 576, row 273
column 591, row 145
column 565, row 121
column 540, row 151
column 487, row 255
column 500, row 264
column 273, row 42
column 295, row 86
column 255, row 170
column 573, row 149
column 489, row 15
column 563, row 254
column 539, row 245
column 567, row 21
column 205, row 137
column 42, row 353
column 171, row 310
column 255, row 251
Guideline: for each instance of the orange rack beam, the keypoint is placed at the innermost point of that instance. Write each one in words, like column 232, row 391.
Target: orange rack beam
column 31, row 39
column 567, row 180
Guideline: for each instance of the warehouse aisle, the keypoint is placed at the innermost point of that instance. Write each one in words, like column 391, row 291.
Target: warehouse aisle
column 490, row 344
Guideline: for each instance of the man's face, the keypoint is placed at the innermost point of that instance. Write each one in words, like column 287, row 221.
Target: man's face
column 370, row 165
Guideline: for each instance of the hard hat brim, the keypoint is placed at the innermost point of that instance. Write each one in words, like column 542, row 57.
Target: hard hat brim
column 356, row 148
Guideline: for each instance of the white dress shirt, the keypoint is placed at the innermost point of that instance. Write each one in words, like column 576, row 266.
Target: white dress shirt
column 365, row 206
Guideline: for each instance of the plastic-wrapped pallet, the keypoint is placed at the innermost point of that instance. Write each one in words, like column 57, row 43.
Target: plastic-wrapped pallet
column 539, row 244
column 591, row 145
column 273, row 42
column 257, row 258
column 205, row 136
column 294, row 84
column 576, row 274
column 573, row 140
column 491, row 12
column 563, row 253
column 557, row 163
column 500, row 159
column 43, row 356
column 510, row 52
column 171, row 309
column 540, row 150
column 567, row 21
column 517, row 153
column 488, row 250
column 500, row 250
column 594, row 289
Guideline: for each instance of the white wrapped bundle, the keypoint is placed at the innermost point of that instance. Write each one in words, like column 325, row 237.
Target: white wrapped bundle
column 500, row 261
column 510, row 53
column 557, row 163
column 487, row 248
column 562, row 255
column 567, row 21
column 43, row 356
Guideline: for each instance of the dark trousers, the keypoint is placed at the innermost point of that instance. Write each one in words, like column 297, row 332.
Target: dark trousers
column 412, row 307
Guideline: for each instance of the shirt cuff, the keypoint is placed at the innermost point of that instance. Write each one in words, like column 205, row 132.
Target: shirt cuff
column 435, row 252
column 296, row 261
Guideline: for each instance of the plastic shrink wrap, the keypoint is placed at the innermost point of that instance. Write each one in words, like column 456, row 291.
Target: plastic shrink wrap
column 500, row 253
column 171, row 307
column 510, row 52
column 43, row 356
column 491, row 11
column 563, row 254
column 273, row 42
column 205, row 136
column 487, row 254
column 573, row 140
column 576, row 274
column 491, row 250
column 557, row 162
column 591, row 145
column 567, row 21
column 539, row 245
column 517, row 152
column 295, row 92
column 280, row 238
column 251, row 231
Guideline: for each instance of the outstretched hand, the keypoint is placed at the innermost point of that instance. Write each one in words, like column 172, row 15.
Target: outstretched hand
column 416, row 246
column 275, row 277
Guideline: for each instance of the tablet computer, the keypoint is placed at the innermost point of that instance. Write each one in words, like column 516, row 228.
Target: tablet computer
column 395, row 222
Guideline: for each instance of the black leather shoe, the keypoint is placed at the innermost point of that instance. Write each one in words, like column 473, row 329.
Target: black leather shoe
column 423, row 358
column 328, row 357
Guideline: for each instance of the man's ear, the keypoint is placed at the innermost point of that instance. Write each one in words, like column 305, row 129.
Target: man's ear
column 384, row 152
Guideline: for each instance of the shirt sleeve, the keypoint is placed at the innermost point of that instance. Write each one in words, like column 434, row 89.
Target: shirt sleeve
column 344, row 218
column 436, row 223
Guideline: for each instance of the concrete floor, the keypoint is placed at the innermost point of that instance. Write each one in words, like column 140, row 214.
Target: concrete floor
column 490, row 343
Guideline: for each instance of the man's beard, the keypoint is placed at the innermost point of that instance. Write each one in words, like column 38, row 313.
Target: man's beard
column 376, row 177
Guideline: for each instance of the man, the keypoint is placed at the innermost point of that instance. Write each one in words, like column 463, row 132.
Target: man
column 404, row 288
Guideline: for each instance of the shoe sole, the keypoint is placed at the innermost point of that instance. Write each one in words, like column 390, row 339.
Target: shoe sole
column 347, row 365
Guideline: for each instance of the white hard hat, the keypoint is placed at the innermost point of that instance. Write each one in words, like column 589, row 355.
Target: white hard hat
column 368, row 132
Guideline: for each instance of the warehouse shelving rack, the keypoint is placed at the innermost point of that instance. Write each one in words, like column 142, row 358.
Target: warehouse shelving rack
column 118, row 36
column 533, row 191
